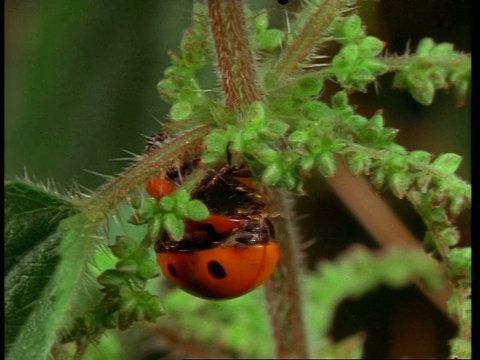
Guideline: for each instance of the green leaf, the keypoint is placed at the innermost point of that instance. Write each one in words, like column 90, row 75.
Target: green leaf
column 174, row 226
column 127, row 266
column 442, row 50
column 358, row 163
column 197, row 210
column 261, row 21
column 25, row 283
column 212, row 157
column 447, row 163
column 167, row 203
column 58, row 303
column 307, row 162
column 112, row 278
column 349, row 53
column 123, row 247
column 217, row 142
column 31, row 249
column 269, row 40
column 460, row 263
column 340, row 100
column 419, row 157
column 182, row 196
column 31, row 214
column 424, row 47
column 449, row 236
column 370, row 47
column 400, row 182
column 315, row 110
column 155, row 226
column 272, row 174
column 310, row 85
column 267, row 156
column 327, row 164
column 147, row 269
column 181, row 110
column 274, row 129
column 352, row 28
column 423, row 92
column 374, row 66
column 256, row 112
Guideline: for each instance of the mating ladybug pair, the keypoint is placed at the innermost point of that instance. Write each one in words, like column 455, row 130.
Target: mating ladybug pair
column 232, row 251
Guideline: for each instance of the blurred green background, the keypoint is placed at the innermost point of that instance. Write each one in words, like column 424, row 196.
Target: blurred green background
column 81, row 82
column 81, row 85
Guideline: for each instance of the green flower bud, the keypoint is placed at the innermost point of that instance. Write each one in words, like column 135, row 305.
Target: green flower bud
column 197, row 210
column 352, row 28
column 127, row 266
column 174, row 226
column 123, row 247
column 370, row 47
column 147, row 269
column 272, row 174
column 111, row 278
column 424, row 47
column 181, row 110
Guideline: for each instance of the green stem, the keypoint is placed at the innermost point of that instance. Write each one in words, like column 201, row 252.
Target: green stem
column 308, row 38
column 454, row 181
column 452, row 61
column 156, row 161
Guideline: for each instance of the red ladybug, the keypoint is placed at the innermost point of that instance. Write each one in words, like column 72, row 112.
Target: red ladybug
column 210, row 266
column 230, row 253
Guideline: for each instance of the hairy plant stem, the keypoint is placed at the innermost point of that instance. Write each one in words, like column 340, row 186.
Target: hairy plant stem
column 308, row 38
column 234, row 57
column 283, row 290
column 396, row 63
column 156, row 161
column 235, row 61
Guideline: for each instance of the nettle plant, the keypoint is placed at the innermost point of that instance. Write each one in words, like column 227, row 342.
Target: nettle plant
column 271, row 114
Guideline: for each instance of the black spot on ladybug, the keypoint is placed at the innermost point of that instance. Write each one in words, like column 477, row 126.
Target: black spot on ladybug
column 216, row 270
column 171, row 270
column 283, row 2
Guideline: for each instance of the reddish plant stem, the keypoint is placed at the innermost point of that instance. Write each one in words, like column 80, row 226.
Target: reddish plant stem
column 283, row 290
column 234, row 57
column 245, row 71
column 303, row 44
column 155, row 161
column 223, row 54
column 310, row 36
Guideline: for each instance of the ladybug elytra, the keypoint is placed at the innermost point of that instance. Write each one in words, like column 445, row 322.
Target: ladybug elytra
column 231, row 252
